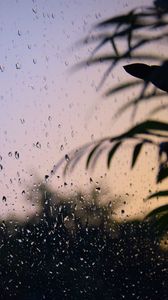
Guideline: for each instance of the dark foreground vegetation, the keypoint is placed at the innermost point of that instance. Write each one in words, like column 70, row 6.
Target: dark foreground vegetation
column 75, row 250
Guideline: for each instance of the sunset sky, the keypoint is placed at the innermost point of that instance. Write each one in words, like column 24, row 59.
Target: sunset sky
column 46, row 110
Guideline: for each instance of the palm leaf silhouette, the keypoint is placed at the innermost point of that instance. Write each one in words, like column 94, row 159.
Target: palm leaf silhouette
column 137, row 28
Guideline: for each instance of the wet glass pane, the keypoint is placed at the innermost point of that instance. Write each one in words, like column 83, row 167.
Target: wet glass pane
column 83, row 149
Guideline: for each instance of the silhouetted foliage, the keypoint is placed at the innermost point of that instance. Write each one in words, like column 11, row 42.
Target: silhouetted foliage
column 63, row 255
column 138, row 28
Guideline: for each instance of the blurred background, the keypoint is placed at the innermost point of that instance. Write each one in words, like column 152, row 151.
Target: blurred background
column 48, row 110
column 79, row 236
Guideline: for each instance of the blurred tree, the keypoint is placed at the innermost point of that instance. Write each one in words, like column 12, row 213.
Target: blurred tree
column 75, row 250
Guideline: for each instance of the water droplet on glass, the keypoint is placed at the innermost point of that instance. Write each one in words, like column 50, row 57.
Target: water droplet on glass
column 18, row 66
column 38, row 145
column 110, row 204
column 10, row 154
column 46, row 177
column 19, row 33
column 34, row 10
column 91, row 180
column 22, row 121
column 16, row 154
column 4, row 199
column 67, row 157
column 2, row 68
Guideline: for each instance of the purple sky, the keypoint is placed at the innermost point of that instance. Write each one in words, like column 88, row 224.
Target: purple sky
column 45, row 110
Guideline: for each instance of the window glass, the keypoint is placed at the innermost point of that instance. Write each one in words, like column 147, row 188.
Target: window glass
column 74, row 198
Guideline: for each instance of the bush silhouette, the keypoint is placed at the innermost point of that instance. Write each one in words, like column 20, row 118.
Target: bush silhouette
column 51, row 259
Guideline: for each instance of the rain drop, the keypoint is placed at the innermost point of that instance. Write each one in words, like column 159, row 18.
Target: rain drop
column 10, row 154
column 18, row 66
column 67, row 157
column 46, row 177
column 110, row 204
column 16, row 154
column 34, row 10
column 19, row 33
column 2, row 68
column 4, row 198
column 38, row 145
column 22, row 121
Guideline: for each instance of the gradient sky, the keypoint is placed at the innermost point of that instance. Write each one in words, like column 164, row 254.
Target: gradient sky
column 45, row 109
